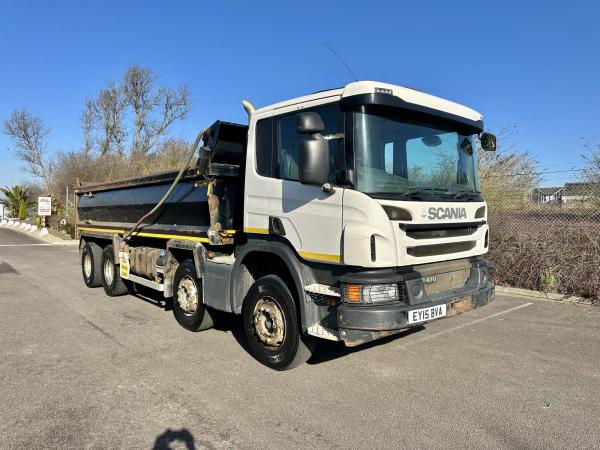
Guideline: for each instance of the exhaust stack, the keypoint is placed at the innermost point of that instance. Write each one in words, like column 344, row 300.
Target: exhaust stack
column 249, row 107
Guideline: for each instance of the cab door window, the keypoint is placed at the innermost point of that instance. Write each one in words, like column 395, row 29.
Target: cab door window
column 288, row 140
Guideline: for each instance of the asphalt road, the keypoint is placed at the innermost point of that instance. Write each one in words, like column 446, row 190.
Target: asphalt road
column 82, row 370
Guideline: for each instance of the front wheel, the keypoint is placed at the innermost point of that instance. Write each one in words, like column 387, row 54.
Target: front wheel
column 272, row 327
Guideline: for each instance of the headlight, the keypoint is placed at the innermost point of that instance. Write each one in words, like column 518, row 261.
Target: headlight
column 371, row 294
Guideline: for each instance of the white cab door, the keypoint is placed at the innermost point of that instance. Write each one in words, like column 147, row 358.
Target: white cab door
column 311, row 218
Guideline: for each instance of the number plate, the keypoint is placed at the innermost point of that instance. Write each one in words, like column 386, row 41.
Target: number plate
column 425, row 314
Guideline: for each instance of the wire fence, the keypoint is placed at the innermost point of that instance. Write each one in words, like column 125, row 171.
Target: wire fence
column 545, row 238
column 542, row 238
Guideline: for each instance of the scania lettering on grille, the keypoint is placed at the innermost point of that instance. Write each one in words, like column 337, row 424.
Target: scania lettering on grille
column 441, row 213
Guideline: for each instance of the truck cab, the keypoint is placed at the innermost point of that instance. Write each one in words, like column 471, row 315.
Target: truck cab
column 358, row 215
column 396, row 222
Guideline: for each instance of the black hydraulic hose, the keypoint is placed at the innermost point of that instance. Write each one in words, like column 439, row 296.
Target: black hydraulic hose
column 164, row 199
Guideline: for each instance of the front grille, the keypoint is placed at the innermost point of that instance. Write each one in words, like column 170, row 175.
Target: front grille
column 440, row 249
column 445, row 275
column 446, row 281
column 434, row 232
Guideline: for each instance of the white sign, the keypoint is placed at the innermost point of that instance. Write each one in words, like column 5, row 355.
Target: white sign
column 44, row 206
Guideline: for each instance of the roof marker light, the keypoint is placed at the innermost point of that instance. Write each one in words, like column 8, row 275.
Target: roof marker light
column 380, row 90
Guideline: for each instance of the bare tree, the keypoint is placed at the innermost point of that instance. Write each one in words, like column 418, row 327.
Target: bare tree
column 153, row 109
column 109, row 110
column 508, row 176
column 28, row 134
column 88, row 119
column 591, row 172
column 174, row 105
column 137, row 89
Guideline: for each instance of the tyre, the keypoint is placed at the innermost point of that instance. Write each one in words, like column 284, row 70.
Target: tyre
column 112, row 282
column 188, row 306
column 272, row 325
column 91, row 265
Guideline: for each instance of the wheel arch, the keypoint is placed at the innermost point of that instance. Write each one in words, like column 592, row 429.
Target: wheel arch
column 100, row 240
column 177, row 252
column 251, row 264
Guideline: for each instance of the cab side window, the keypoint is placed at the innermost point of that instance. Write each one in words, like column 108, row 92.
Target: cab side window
column 264, row 147
column 287, row 157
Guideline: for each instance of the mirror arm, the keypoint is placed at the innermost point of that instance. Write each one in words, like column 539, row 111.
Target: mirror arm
column 328, row 188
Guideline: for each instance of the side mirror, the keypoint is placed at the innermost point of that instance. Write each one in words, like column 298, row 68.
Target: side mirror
column 309, row 123
column 313, row 167
column 488, row 142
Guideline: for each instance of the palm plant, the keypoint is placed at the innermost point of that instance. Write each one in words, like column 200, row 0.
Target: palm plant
column 14, row 196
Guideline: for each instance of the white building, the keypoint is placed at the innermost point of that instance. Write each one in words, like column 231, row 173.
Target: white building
column 548, row 194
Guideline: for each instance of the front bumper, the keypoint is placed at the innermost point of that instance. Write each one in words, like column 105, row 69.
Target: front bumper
column 360, row 324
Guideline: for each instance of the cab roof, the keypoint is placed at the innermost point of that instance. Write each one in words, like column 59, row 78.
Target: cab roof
column 406, row 94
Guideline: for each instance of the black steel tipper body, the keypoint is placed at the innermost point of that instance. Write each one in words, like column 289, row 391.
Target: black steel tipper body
column 185, row 210
column 211, row 198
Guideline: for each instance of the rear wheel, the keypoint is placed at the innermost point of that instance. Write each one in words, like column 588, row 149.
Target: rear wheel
column 91, row 264
column 112, row 282
column 188, row 307
column 272, row 326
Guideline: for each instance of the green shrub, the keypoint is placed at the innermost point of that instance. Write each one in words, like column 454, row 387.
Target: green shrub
column 69, row 228
column 547, row 281
column 22, row 210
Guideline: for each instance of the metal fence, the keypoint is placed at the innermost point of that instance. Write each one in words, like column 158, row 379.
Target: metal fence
column 542, row 238
column 545, row 238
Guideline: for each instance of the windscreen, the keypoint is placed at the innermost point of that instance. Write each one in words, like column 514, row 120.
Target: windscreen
column 395, row 157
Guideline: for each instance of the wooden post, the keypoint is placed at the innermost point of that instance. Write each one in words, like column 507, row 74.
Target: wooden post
column 75, row 214
column 75, row 203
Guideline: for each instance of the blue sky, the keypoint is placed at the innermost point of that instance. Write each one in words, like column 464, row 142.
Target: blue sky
column 533, row 65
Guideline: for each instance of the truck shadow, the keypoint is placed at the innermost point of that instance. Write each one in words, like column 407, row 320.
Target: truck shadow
column 331, row 350
column 229, row 323
column 326, row 350
column 153, row 297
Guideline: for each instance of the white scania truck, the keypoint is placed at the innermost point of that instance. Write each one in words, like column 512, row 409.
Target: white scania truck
column 349, row 214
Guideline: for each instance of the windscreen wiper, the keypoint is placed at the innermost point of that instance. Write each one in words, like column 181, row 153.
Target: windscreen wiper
column 409, row 193
column 465, row 193
column 420, row 190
